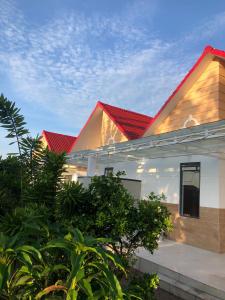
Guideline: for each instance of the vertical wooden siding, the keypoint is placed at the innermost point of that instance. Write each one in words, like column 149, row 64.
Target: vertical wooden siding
column 109, row 132
column 200, row 104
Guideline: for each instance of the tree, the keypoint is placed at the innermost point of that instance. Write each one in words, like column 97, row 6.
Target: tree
column 106, row 209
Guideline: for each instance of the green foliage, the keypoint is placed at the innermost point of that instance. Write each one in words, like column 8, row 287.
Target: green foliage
column 83, row 270
column 28, row 223
column 37, row 209
column 47, row 180
column 148, row 220
column 18, row 269
column 10, row 188
column 12, row 121
column 143, row 286
column 72, row 197
column 106, row 209
column 32, row 156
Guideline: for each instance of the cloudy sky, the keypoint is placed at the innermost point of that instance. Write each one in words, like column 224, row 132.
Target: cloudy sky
column 57, row 58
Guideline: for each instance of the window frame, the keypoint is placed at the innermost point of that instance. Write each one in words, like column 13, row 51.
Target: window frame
column 188, row 164
column 108, row 169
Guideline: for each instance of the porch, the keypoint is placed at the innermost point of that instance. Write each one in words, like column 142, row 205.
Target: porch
column 185, row 271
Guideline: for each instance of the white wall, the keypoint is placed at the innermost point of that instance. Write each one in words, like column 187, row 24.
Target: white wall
column 163, row 175
column 222, row 183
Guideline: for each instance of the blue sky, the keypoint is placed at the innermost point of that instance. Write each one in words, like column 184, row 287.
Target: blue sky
column 58, row 57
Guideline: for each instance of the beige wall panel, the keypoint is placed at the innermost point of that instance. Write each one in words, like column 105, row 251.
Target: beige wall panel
column 221, row 87
column 44, row 142
column 207, row 232
column 222, row 91
column 222, row 80
column 90, row 137
column 109, row 132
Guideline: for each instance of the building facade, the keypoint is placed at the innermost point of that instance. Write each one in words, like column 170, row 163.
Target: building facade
column 181, row 153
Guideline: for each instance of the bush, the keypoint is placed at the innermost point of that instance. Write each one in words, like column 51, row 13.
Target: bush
column 10, row 185
column 106, row 209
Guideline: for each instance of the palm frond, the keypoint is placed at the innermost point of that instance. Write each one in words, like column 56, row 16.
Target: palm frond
column 12, row 121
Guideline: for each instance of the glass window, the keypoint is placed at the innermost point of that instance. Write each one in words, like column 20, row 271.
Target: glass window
column 108, row 171
column 190, row 189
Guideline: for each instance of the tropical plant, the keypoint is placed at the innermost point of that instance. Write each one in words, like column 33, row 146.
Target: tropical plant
column 29, row 149
column 143, row 286
column 72, row 267
column 47, row 180
column 10, row 186
column 12, row 121
column 18, row 268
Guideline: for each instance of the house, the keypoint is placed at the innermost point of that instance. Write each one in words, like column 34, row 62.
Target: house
column 60, row 143
column 180, row 153
column 108, row 125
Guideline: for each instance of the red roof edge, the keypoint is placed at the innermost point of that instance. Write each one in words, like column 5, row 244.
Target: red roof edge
column 208, row 50
column 101, row 104
column 45, row 136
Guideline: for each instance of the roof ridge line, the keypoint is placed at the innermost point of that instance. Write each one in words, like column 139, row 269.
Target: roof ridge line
column 126, row 110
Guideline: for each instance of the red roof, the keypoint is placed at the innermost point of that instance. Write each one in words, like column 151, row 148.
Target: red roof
column 57, row 142
column 209, row 50
column 130, row 123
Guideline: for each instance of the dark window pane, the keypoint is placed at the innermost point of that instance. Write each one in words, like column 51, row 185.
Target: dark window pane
column 190, row 189
column 108, row 171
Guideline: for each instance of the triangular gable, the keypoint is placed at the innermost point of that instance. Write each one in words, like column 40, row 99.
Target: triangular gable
column 109, row 124
column 57, row 142
column 174, row 116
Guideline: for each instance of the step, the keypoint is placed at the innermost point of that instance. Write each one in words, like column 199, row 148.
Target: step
column 178, row 284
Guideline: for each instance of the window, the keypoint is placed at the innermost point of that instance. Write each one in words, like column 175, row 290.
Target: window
column 108, row 171
column 190, row 189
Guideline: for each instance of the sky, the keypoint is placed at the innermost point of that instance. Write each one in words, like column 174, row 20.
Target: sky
column 58, row 58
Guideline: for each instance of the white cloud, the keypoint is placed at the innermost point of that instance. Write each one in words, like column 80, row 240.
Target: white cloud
column 69, row 63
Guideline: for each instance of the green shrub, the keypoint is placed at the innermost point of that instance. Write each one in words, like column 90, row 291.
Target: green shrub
column 72, row 267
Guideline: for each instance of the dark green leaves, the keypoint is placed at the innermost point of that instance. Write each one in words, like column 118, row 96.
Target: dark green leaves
column 12, row 121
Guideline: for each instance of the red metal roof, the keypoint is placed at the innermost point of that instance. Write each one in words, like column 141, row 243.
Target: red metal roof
column 130, row 123
column 209, row 50
column 57, row 142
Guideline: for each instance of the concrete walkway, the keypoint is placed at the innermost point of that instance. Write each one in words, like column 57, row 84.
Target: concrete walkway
column 193, row 267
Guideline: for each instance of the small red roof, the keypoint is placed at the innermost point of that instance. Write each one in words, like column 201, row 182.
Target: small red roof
column 57, row 142
column 131, row 124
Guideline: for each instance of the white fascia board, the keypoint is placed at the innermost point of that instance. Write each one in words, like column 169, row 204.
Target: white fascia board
column 203, row 139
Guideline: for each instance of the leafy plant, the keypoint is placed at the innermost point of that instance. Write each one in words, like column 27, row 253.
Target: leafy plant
column 17, row 268
column 106, row 209
column 10, row 186
column 47, row 180
column 83, row 271
column 143, row 286
column 12, row 121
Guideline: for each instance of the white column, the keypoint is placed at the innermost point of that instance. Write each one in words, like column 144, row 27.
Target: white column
column 74, row 177
column 91, row 171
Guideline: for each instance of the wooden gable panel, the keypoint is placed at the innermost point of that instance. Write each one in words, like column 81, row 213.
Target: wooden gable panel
column 222, row 90
column 199, row 104
column 110, row 133
column 90, row 136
